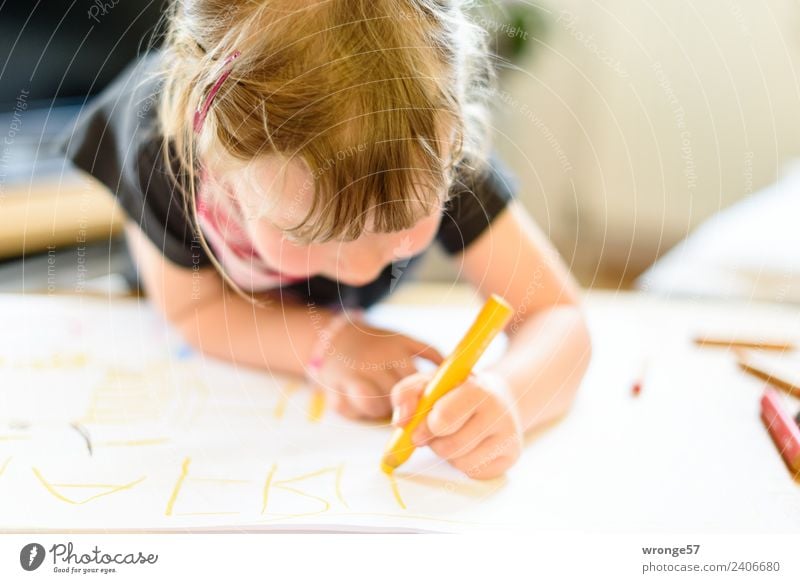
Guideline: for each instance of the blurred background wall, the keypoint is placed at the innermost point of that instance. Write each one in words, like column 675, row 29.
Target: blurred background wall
column 627, row 122
column 630, row 121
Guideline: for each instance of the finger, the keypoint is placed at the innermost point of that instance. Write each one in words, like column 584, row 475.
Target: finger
column 385, row 381
column 491, row 458
column 463, row 441
column 341, row 404
column 345, row 409
column 422, row 434
column 381, row 380
column 423, row 350
column 451, row 412
column 404, row 369
column 493, row 469
column 366, row 397
column 405, row 398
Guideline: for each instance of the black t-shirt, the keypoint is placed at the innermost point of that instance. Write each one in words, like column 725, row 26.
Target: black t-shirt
column 116, row 139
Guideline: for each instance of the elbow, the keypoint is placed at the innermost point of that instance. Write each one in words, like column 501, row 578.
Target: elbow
column 578, row 347
column 580, row 339
column 583, row 341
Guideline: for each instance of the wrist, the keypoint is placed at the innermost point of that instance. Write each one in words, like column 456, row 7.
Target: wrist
column 497, row 385
column 323, row 346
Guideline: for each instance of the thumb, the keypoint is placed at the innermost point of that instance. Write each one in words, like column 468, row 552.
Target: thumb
column 405, row 396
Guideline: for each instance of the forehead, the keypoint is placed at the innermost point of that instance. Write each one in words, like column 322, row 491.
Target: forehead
column 281, row 191
column 273, row 187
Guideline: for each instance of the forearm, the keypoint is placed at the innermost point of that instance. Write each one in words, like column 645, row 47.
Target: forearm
column 545, row 363
column 278, row 336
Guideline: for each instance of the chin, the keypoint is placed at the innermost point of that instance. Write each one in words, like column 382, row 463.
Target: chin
column 357, row 281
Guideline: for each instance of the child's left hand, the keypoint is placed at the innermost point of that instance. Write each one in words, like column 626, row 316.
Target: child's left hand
column 476, row 430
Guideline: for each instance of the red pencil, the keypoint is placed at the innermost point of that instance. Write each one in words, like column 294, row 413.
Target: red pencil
column 782, row 428
column 638, row 382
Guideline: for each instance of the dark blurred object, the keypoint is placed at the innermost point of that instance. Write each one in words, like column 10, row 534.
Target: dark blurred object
column 512, row 27
column 64, row 51
column 55, row 56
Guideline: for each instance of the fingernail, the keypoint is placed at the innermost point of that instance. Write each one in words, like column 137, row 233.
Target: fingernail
column 395, row 415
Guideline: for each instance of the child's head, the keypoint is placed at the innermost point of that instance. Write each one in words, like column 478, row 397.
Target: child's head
column 347, row 116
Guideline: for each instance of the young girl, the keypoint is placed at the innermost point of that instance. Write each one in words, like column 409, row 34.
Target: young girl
column 282, row 164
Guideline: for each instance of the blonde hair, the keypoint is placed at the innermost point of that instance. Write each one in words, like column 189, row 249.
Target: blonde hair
column 379, row 80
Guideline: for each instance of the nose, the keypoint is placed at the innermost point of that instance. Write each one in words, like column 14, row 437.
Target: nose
column 364, row 261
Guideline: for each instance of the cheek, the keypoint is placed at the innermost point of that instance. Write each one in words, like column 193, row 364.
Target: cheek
column 281, row 254
column 422, row 235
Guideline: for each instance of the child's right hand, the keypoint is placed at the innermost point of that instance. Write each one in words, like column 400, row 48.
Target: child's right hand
column 361, row 365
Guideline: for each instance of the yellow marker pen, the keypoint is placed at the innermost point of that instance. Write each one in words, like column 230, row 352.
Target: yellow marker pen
column 455, row 369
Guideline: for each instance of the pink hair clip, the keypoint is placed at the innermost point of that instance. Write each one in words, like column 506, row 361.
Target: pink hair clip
column 201, row 112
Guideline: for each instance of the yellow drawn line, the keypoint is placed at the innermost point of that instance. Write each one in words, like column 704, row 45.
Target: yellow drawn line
column 265, row 492
column 339, row 472
column 178, row 484
column 306, row 476
column 283, row 402
column 50, row 488
column 317, row 406
column 14, row 437
column 396, row 492
column 280, row 407
column 5, row 465
column 134, row 442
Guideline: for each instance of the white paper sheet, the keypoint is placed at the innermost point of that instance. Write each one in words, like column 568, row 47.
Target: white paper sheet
column 110, row 422
column 179, row 441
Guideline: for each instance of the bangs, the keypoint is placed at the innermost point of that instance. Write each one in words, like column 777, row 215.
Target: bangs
column 386, row 185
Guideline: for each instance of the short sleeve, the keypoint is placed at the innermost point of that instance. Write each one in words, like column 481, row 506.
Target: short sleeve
column 476, row 200
column 115, row 140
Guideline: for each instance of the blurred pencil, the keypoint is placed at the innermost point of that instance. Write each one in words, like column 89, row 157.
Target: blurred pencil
column 720, row 342
column 781, row 372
